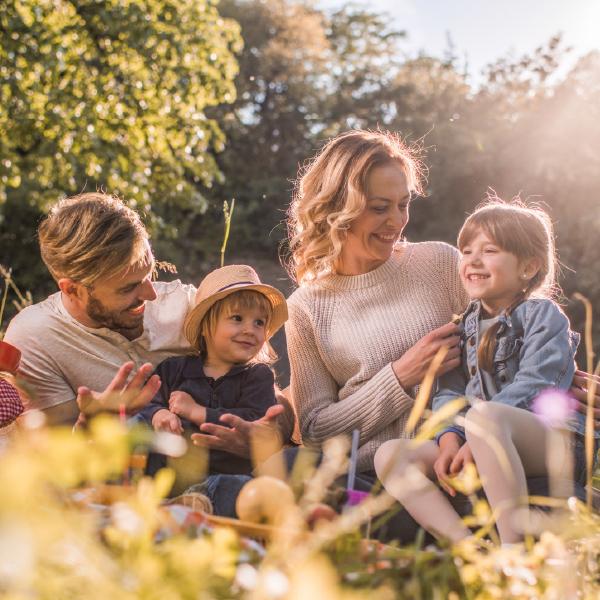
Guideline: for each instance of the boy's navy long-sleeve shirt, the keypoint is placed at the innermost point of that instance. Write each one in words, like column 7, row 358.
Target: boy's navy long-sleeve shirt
column 246, row 391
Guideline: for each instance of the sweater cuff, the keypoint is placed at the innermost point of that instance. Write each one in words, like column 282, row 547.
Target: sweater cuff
column 389, row 386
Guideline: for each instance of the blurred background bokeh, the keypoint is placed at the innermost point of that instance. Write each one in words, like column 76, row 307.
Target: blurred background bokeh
column 179, row 105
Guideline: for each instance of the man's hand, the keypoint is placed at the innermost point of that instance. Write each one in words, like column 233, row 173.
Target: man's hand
column 582, row 381
column 133, row 395
column 165, row 420
column 236, row 435
column 449, row 448
column 183, row 405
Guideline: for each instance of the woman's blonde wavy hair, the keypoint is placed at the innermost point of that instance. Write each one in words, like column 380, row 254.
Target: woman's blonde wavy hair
column 330, row 193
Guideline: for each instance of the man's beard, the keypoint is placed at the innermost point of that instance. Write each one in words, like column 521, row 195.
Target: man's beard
column 129, row 326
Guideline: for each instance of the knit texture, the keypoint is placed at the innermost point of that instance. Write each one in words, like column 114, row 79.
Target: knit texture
column 344, row 332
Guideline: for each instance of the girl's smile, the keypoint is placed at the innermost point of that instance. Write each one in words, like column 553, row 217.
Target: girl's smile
column 493, row 275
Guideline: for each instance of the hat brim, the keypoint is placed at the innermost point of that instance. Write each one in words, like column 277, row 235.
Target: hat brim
column 191, row 326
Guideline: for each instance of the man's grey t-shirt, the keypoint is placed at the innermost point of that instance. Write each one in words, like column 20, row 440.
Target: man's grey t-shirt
column 59, row 354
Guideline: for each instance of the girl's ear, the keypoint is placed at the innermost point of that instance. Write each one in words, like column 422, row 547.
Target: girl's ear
column 529, row 268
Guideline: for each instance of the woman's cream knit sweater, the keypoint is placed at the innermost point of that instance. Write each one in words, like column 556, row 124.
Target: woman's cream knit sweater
column 344, row 332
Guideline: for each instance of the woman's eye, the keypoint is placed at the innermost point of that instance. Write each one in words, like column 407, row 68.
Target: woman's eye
column 379, row 209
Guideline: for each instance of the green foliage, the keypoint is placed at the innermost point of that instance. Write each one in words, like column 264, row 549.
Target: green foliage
column 112, row 94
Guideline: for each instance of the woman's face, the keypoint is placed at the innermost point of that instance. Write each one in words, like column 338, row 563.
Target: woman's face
column 371, row 237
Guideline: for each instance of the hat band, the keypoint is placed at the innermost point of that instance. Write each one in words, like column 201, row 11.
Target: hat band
column 236, row 283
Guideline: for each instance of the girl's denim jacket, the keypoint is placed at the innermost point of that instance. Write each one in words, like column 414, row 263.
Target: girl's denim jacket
column 535, row 350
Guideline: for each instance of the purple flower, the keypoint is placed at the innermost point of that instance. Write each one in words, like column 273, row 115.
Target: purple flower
column 554, row 406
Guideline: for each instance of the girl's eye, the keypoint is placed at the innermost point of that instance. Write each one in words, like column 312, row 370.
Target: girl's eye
column 466, row 251
column 491, row 250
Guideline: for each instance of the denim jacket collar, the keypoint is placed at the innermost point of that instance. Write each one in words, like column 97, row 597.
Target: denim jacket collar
column 471, row 317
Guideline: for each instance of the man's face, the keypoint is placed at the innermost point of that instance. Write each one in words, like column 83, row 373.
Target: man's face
column 118, row 302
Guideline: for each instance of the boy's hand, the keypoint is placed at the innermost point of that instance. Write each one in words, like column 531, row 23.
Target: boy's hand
column 165, row 420
column 463, row 456
column 449, row 448
column 182, row 404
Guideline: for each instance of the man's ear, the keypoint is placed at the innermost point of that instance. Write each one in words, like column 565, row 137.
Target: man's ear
column 72, row 289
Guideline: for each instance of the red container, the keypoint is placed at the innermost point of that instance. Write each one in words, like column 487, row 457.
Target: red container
column 10, row 357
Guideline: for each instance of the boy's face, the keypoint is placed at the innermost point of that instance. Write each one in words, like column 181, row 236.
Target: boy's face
column 119, row 302
column 238, row 337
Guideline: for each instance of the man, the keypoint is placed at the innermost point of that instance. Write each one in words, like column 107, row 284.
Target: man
column 109, row 324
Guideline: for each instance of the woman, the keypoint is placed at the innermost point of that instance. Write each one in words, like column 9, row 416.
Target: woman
column 371, row 310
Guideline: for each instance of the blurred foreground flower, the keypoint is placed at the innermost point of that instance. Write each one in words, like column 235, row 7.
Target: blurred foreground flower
column 554, row 407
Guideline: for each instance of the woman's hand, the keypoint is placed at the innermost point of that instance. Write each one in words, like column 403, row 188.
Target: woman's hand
column 411, row 367
column 449, row 449
column 579, row 388
column 165, row 420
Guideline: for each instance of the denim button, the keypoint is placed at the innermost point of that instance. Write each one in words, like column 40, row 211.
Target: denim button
column 472, row 341
column 473, row 370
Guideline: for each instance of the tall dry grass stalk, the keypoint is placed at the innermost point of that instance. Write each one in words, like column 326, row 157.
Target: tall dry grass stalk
column 591, row 394
column 228, row 214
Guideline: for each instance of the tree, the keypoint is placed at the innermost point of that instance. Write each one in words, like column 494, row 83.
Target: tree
column 111, row 94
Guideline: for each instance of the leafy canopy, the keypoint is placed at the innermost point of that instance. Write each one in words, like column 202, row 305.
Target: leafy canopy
column 112, row 94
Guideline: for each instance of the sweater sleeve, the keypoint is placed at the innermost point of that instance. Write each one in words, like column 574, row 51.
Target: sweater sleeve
column 449, row 262
column 321, row 413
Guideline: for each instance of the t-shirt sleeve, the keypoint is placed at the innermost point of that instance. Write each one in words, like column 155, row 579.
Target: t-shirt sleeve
column 46, row 384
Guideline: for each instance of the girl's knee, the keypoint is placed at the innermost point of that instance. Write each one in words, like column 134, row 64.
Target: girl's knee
column 485, row 419
column 390, row 456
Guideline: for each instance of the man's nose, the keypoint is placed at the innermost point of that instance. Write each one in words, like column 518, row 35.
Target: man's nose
column 147, row 291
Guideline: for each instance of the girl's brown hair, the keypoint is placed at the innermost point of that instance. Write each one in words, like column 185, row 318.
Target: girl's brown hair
column 527, row 233
column 330, row 193
column 242, row 300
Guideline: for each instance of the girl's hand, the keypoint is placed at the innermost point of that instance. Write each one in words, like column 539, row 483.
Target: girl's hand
column 579, row 389
column 463, row 456
column 183, row 405
column 449, row 448
column 411, row 367
column 165, row 420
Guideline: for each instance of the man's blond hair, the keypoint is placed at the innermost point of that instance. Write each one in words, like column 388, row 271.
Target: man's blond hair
column 92, row 236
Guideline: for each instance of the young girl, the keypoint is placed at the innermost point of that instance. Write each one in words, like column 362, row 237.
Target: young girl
column 229, row 327
column 516, row 343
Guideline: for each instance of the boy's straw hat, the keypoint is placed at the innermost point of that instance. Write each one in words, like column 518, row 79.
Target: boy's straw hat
column 224, row 281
